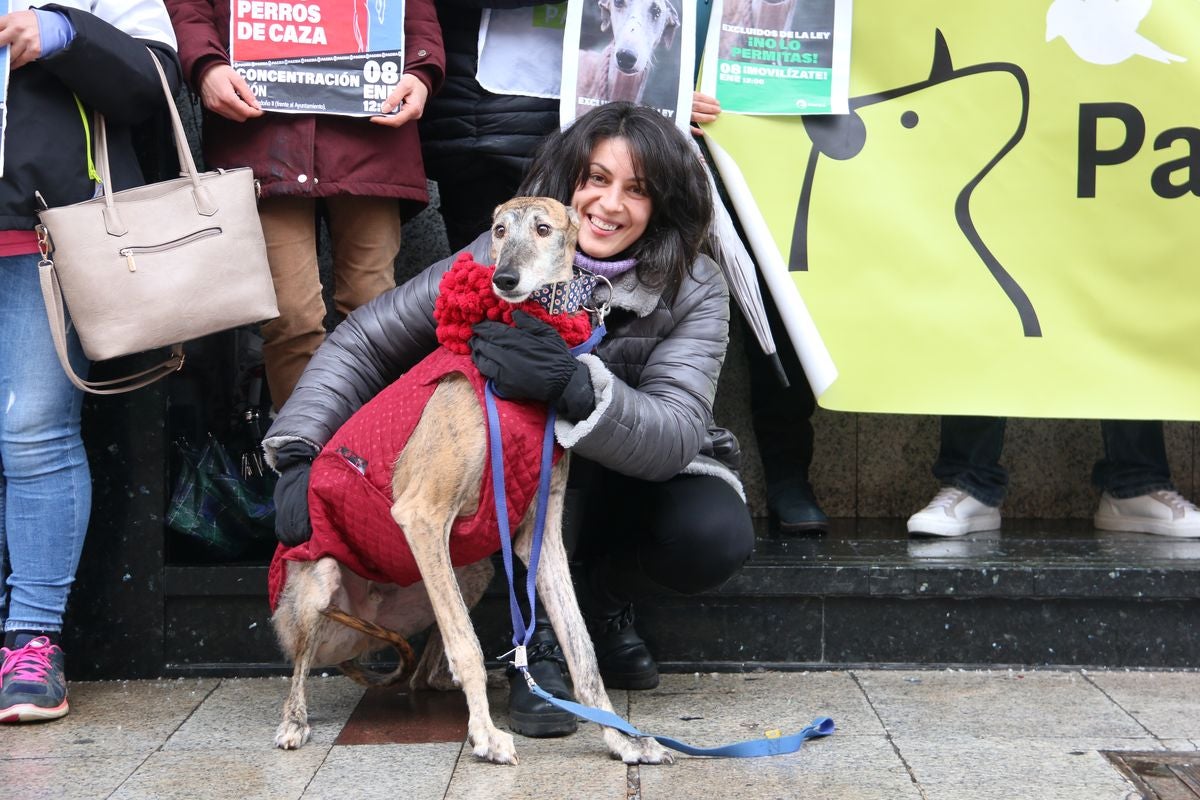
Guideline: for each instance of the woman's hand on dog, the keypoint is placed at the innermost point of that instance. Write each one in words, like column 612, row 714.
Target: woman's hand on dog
column 294, row 463
column 530, row 361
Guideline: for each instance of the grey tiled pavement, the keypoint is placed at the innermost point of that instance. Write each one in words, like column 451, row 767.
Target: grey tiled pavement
column 920, row 734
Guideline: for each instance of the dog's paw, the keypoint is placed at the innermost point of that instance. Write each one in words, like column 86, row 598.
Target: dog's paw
column 291, row 735
column 642, row 750
column 495, row 746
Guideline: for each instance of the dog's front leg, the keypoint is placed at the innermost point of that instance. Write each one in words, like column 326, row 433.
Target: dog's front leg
column 427, row 539
column 557, row 595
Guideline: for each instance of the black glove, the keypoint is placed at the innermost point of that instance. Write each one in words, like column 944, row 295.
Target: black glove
column 532, row 362
column 293, row 462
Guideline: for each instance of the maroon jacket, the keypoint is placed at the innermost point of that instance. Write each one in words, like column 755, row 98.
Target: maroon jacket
column 314, row 155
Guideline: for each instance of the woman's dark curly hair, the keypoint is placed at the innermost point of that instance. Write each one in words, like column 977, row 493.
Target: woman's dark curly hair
column 680, row 202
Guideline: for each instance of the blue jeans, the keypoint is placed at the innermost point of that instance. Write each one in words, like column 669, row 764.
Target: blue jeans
column 45, row 484
column 1134, row 463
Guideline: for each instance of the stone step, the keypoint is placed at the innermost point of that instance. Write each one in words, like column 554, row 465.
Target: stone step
column 1039, row 593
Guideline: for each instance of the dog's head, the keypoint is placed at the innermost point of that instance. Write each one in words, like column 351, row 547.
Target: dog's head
column 638, row 27
column 533, row 244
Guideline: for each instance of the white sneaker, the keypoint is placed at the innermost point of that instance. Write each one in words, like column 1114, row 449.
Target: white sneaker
column 953, row 512
column 1167, row 513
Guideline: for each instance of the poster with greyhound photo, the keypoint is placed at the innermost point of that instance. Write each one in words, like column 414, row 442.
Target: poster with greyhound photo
column 779, row 56
column 319, row 57
column 642, row 51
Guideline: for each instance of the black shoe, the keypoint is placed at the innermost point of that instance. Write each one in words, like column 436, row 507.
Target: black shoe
column 625, row 662
column 528, row 714
column 794, row 507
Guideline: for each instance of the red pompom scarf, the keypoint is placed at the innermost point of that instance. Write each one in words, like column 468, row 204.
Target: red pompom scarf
column 466, row 298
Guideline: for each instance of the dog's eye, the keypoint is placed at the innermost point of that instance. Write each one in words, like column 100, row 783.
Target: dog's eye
column 655, row 11
column 619, row 3
column 498, row 232
column 543, row 230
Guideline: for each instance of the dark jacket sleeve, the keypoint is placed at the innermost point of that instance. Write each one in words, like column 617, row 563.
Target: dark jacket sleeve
column 111, row 71
column 424, row 53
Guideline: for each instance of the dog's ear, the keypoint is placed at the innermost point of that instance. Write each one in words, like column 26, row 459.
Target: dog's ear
column 573, row 217
column 605, row 14
column 669, row 30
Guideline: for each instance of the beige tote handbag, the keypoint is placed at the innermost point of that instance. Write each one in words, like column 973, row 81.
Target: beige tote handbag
column 154, row 266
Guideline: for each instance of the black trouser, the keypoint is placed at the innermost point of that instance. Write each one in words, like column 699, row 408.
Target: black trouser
column 686, row 534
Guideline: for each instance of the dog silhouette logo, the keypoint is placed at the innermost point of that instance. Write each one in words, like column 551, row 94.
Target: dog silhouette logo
column 1104, row 32
column 843, row 138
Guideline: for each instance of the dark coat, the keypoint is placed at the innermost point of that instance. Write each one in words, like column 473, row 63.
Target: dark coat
column 45, row 145
column 314, row 155
column 466, row 127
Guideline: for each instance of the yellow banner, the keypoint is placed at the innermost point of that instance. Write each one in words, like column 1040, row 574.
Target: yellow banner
column 1006, row 222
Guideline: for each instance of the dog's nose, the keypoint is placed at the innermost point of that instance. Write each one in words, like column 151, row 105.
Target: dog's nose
column 505, row 281
column 626, row 60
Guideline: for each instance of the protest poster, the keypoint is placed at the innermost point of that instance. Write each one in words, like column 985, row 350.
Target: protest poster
column 779, row 56
column 1004, row 222
column 642, row 51
column 319, row 56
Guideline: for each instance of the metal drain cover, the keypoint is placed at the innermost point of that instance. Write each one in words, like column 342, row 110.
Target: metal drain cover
column 1160, row 775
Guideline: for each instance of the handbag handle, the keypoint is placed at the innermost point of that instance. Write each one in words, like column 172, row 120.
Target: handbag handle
column 52, row 297
column 205, row 205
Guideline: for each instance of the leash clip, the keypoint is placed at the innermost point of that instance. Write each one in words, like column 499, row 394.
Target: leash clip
column 520, row 659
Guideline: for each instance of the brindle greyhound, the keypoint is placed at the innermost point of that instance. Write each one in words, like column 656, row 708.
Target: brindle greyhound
column 436, row 479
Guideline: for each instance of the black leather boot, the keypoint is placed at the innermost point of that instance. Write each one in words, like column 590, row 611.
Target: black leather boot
column 528, row 714
column 625, row 662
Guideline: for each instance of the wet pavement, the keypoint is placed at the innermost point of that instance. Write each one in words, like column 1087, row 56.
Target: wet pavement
column 920, row 734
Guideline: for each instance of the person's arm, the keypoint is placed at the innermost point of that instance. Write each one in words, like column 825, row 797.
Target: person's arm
column 654, row 430
column 205, row 58
column 424, row 65
column 106, row 63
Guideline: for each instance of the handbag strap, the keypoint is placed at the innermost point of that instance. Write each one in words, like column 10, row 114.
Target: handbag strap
column 205, row 204
column 52, row 297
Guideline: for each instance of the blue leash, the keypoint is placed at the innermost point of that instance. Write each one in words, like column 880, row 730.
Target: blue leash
column 772, row 744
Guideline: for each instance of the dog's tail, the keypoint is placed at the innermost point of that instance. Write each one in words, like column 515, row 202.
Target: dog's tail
column 355, row 671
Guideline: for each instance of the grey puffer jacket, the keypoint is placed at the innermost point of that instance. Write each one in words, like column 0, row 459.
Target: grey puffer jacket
column 655, row 373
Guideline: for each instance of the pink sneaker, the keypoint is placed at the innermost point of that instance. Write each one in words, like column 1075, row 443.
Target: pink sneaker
column 33, row 685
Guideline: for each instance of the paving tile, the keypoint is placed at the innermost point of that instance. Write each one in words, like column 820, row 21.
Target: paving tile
column 244, row 713
column 1018, row 769
column 851, row 767
column 221, row 774
column 711, row 709
column 1166, row 703
column 385, row 772
column 1179, row 745
column 950, row 704
column 575, row 767
column 76, row 777
column 110, row 718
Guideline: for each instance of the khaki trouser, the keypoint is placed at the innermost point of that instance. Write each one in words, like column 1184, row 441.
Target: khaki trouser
column 366, row 239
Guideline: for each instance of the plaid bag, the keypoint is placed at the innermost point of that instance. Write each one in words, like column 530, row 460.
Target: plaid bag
column 215, row 504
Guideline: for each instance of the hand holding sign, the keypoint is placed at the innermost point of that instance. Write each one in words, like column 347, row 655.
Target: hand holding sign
column 409, row 96
column 224, row 92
